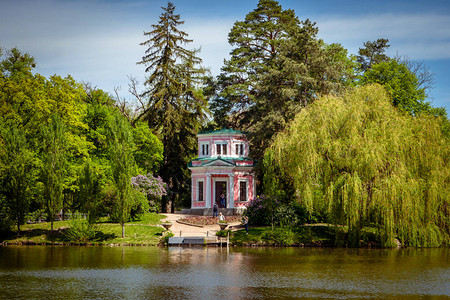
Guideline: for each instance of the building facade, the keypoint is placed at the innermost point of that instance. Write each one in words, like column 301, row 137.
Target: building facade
column 222, row 168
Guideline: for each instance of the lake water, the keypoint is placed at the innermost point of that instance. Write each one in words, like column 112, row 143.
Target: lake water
column 218, row 273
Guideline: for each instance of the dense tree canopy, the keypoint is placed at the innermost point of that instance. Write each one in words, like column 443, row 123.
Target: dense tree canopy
column 55, row 144
column 402, row 85
column 363, row 163
column 277, row 66
column 375, row 156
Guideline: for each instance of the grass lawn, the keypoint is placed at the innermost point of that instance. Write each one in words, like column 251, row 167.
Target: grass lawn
column 137, row 232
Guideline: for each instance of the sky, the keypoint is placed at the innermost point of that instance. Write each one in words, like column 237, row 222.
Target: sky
column 97, row 41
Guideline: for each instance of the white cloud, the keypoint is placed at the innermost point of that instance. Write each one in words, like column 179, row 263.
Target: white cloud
column 419, row 36
column 212, row 37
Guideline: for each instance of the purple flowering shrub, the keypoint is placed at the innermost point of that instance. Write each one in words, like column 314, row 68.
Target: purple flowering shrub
column 259, row 210
column 153, row 187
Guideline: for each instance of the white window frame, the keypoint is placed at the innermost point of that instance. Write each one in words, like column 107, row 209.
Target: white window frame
column 198, row 190
column 241, row 146
column 202, row 146
column 246, row 180
column 223, row 145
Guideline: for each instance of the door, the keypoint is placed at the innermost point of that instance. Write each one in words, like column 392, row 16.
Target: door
column 221, row 188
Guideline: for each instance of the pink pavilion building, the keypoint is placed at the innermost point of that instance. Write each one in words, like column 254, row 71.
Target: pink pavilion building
column 223, row 167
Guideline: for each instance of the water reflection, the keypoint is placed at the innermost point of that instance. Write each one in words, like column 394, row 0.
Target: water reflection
column 234, row 273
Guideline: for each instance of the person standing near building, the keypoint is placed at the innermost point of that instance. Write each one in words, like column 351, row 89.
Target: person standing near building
column 215, row 210
column 222, row 201
column 246, row 224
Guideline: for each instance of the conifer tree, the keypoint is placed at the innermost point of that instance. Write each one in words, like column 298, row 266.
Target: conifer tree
column 277, row 66
column 176, row 107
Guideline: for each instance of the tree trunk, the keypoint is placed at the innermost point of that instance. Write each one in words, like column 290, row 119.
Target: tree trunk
column 51, row 225
column 123, row 230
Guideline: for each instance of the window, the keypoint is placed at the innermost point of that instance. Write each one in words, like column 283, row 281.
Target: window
column 205, row 150
column 221, row 149
column 243, row 191
column 240, row 149
column 200, row 191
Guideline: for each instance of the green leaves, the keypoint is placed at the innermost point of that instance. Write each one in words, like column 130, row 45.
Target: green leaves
column 401, row 84
column 360, row 161
column 277, row 67
column 54, row 165
column 176, row 107
column 17, row 172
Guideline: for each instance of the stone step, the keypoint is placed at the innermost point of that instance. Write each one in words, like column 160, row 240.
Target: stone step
column 192, row 240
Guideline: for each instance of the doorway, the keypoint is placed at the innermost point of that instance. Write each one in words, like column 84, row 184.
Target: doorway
column 221, row 188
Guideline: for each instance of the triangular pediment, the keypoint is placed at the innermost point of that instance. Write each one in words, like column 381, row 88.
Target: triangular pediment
column 219, row 163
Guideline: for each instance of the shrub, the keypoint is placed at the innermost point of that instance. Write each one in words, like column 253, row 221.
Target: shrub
column 140, row 205
column 260, row 210
column 280, row 236
column 223, row 233
column 264, row 210
column 165, row 239
column 80, row 231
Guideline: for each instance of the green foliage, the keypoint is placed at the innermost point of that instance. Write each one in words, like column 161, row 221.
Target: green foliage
column 140, row 204
column 17, row 173
column 277, row 66
column 372, row 54
column 54, row 165
column 90, row 190
column 264, row 210
column 80, row 231
column 401, row 84
column 280, row 237
column 123, row 165
column 16, row 63
column 165, row 239
column 223, row 233
column 359, row 161
column 149, row 149
column 176, row 108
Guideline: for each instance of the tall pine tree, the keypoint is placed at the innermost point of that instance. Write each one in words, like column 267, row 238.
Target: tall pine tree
column 277, row 66
column 176, row 107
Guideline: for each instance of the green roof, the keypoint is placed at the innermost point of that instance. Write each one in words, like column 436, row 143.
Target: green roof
column 226, row 159
column 223, row 130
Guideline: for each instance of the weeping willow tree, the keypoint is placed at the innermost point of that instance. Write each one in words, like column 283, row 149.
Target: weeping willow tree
column 362, row 163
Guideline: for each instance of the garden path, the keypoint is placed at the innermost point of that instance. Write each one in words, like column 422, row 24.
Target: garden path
column 191, row 231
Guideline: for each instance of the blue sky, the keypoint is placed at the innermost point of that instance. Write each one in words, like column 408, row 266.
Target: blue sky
column 97, row 41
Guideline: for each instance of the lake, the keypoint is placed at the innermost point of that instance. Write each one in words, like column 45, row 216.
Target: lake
column 214, row 273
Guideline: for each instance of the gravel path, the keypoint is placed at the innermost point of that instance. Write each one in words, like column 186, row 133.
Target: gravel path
column 187, row 230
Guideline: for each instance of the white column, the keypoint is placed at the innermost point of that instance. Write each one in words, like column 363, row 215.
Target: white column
column 192, row 191
column 231, row 193
column 254, row 186
column 208, row 191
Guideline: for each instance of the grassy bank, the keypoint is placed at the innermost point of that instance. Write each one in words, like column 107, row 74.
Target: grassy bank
column 322, row 235
column 139, row 232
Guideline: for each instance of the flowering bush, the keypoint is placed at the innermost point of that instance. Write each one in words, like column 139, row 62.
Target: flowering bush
column 204, row 220
column 264, row 210
column 260, row 210
column 153, row 187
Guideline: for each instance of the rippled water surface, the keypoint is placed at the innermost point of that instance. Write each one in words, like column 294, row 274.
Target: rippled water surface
column 218, row 273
